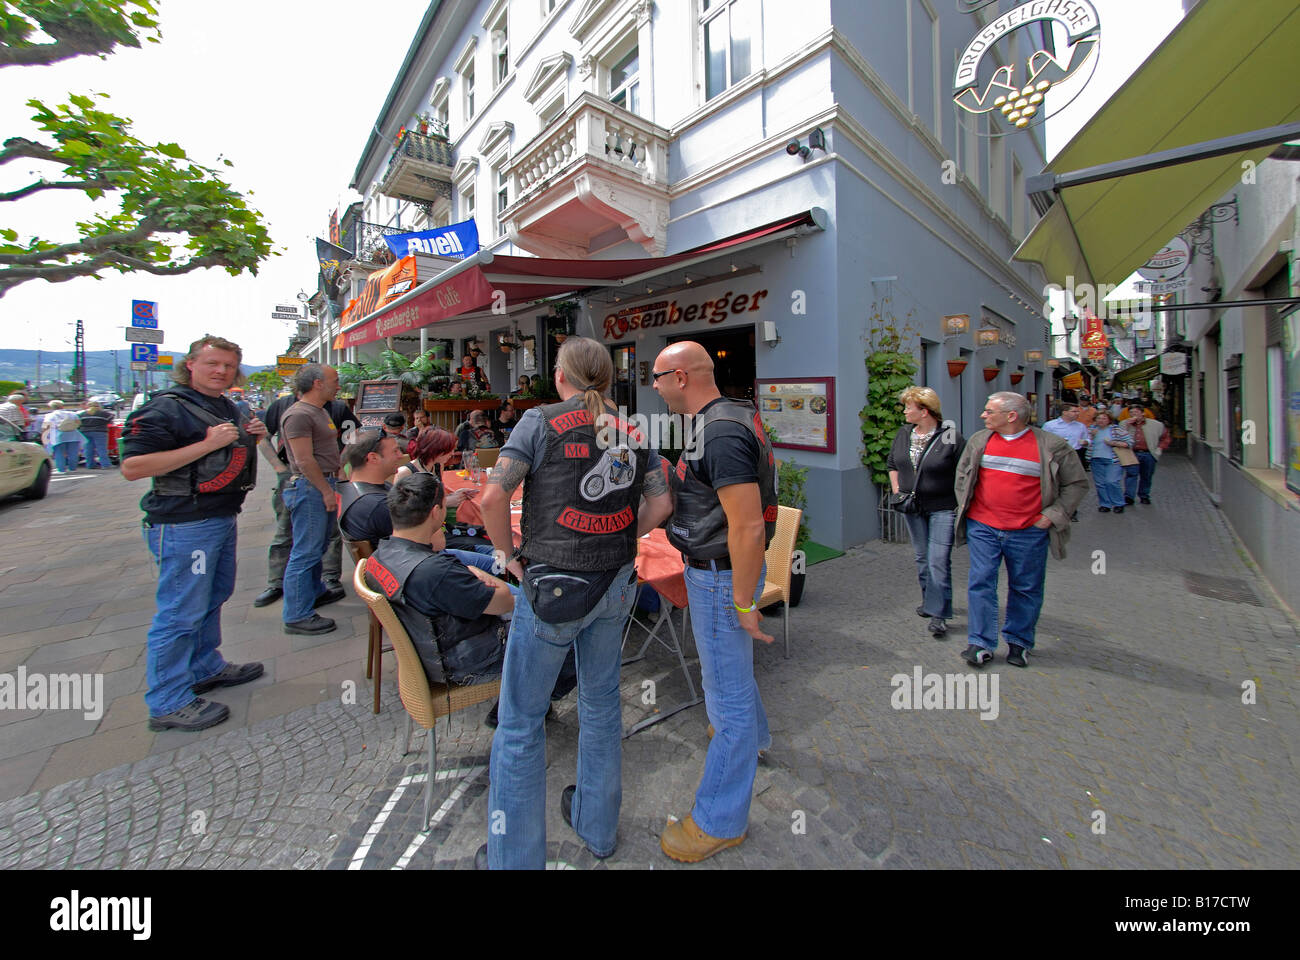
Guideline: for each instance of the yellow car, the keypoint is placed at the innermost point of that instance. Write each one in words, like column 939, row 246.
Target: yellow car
column 24, row 467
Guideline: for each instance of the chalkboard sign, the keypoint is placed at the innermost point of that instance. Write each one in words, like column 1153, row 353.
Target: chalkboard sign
column 379, row 396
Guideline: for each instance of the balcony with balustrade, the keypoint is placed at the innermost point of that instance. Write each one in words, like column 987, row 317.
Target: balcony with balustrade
column 420, row 171
column 596, row 176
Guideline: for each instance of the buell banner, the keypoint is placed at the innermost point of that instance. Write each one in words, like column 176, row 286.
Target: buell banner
column 458, row 240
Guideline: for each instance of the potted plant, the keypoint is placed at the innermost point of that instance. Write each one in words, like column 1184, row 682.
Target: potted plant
column 891, row 367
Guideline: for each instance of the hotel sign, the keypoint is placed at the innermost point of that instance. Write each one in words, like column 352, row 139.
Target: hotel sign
column 1022, row 100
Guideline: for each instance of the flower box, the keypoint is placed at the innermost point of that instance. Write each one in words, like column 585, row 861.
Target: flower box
column 457, row 404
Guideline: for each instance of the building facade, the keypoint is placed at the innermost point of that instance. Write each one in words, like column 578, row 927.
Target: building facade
column 630, row 130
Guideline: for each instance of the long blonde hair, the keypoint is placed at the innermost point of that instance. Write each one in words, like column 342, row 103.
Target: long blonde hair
column 588, row 368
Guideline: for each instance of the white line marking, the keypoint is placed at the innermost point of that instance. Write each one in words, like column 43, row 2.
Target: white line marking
column 441, row 812
column 380, row 818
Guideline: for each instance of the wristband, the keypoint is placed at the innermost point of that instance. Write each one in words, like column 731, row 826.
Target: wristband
column 740, row 609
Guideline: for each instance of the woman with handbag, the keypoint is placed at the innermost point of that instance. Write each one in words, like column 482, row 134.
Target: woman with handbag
column 1107, row 471
column 922, row 474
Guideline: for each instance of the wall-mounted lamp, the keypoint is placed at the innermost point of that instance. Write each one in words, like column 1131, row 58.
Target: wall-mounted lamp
column 816, row 141
column 770, row 336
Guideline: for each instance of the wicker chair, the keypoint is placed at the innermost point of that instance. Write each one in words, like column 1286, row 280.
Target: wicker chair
column 360, row 549
column 424, row 702
column 780, row 554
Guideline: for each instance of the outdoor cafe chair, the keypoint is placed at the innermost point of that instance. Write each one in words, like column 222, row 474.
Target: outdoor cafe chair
column 424, row 702
column 780, row 555
column 360, row 550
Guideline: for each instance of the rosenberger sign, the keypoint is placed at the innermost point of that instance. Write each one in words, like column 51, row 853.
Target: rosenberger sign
column 1022, row 99
column 668, row 313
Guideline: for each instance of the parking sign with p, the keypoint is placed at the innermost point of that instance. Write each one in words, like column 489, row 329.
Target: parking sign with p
column 144, row 353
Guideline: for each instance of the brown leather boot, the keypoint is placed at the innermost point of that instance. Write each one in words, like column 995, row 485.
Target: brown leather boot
column 685, row 841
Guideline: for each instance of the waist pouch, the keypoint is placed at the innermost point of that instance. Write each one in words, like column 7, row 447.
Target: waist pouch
column 559, row 596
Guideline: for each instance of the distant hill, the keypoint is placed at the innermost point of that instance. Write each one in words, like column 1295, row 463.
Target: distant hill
column 21, row 365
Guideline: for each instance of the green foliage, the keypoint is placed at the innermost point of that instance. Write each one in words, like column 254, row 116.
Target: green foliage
column 266, row 380
column 11, row 386
column 891, row 368
column 790, row 480
column 172, row 215
column 543, row 389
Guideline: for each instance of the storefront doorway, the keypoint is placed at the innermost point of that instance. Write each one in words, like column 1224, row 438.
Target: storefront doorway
column 734, row 365
column 624, row 387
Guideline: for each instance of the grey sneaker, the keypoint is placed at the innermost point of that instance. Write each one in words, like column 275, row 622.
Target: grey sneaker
column 197, row 715
column 938, row 627
column 232, row 675
column 976, row 655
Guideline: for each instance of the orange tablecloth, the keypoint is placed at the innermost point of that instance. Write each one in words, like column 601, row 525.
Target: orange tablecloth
column 658, row 562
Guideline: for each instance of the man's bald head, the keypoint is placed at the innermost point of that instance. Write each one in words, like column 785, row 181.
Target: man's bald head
column 683, row 376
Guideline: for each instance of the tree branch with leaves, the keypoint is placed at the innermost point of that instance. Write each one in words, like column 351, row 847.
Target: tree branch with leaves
column 172, row 215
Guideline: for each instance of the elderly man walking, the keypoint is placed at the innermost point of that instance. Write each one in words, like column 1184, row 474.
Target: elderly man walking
column 1017, row 487
column 1150, row 438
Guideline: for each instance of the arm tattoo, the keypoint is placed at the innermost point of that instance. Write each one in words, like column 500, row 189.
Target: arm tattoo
column 655, row 484
column 508, row 474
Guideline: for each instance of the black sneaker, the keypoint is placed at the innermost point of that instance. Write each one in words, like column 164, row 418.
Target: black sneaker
column 331, row 595
column 1147, row 501
column 199, row 714
column 1119, row 509
column 480, row 858
column 1103, row 509
column 566, row 811
column 315, row 624
column 938, row 628
column 268, row 596
column 1128, row 502
column 1016, row 655
column 232, row 676
column 976, row 655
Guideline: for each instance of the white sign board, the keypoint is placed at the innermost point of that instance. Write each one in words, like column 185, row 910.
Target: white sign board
column 286, row 316
column 1173, row 364
column 143, row 335
column 1169, row 286
column 281, row 308
column 1169, row 262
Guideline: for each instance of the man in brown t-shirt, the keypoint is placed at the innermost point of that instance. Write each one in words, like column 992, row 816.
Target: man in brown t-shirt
column 311, row 443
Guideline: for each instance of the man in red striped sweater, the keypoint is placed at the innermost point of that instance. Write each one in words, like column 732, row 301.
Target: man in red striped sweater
column 1017, row 487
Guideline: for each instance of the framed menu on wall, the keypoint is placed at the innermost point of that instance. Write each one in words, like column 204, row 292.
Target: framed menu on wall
column 801, row 412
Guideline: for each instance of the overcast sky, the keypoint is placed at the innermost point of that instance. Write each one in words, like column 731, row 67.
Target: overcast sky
column 289, row 91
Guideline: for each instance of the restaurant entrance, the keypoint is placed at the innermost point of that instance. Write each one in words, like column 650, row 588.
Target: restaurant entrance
column 734, row 365
column 624, row 386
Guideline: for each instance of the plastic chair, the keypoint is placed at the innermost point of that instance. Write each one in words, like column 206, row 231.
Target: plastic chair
column 779, row 556
column 360, row 549
column 425, row 702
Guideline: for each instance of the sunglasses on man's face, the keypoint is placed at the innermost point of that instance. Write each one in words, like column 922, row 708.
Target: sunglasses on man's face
column 660, row 373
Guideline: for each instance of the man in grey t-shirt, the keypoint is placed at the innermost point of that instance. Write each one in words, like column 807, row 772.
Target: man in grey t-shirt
column 311, row 443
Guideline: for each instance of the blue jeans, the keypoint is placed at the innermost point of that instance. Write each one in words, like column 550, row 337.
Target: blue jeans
column 1107, row 475
column 732, row 701
column 1146, row 468
column 535, row 653
column 932, row 544
column 311, row 528
column 66, row 455
column 196, row 575
column 1132, row 474
column 1025, row 552
column 472, row 558
column 97, row 451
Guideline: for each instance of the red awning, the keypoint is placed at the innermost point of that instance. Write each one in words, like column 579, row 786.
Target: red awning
column 478, row 283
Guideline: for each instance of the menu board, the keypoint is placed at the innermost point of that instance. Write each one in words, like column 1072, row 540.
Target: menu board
column 800, row 412
column 379, row 396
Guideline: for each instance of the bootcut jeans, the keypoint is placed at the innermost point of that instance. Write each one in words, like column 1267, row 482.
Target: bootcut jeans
column 932, row 545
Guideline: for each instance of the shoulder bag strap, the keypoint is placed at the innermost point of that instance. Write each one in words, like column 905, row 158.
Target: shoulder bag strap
column 916, row 474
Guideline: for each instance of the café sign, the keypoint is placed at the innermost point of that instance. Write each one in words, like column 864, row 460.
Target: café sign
column 669, row 312
column 1022, row 99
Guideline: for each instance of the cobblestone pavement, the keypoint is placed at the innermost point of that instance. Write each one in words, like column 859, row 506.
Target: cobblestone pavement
column 1132, row 706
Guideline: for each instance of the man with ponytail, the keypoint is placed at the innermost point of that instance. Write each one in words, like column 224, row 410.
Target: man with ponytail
column 591, row 488
column 725, row 514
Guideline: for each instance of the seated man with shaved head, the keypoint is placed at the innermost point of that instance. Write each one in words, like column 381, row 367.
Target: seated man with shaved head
column 723, row 519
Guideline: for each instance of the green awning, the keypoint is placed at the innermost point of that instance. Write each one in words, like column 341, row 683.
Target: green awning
column 1228, row 68
column 1138, row 373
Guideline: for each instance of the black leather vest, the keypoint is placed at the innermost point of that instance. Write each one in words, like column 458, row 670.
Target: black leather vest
column 581, row 501
column 355, row 490
column 230, row 468
column 698, row 527
column 96, row 422
column 452, row 649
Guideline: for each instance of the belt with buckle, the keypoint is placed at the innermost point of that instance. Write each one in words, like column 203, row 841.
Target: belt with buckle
column 721, row 563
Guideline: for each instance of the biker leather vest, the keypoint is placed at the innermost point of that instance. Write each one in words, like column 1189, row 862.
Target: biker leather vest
column 452, row 649
column 580, row 501
column 351, row 492
column 230, row 468
column 698, row 527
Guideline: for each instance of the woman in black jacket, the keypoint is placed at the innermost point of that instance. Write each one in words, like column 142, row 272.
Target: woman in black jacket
column 925, row 445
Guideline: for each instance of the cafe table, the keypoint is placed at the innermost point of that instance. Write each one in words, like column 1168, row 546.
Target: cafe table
column 658, row 564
